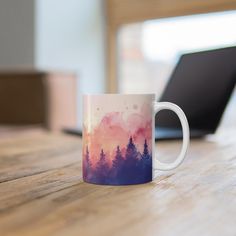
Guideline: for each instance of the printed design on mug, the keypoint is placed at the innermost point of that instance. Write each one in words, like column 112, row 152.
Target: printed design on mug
column 117, row 148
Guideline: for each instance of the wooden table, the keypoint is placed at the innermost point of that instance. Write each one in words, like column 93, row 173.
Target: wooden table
column 42, row 192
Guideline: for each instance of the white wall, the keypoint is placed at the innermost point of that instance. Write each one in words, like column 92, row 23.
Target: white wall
column 17, row 33
column 55, row 35
column 70, row 36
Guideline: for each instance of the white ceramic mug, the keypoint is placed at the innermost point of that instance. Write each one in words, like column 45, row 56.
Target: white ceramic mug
column 118, row 138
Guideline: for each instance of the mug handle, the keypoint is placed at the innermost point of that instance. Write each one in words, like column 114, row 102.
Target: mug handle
column 185, row 127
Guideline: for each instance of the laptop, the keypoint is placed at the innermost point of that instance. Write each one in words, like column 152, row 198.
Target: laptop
column 201, row 84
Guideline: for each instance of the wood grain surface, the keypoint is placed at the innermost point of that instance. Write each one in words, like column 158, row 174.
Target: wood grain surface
column 42, row 192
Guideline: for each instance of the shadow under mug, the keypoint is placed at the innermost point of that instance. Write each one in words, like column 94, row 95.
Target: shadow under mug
column 118, row 138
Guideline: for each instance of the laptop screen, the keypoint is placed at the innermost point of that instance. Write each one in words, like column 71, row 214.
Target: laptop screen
column 201, row 85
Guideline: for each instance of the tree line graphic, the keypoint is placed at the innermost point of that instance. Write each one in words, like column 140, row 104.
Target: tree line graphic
column 132, row 168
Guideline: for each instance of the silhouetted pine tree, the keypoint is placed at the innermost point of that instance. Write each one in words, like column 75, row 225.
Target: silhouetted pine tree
column 146, row 162
column 102, row 169
column 118, row 160
column 145, row 151
column 131, row 152
column 130, row 170
column 87, row 157
column 117, row 166
column 86, row 164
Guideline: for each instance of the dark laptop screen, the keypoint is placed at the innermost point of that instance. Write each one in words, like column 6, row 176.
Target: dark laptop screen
column 201, row 85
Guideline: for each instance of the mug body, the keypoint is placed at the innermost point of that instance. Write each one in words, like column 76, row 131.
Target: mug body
column 118, row 138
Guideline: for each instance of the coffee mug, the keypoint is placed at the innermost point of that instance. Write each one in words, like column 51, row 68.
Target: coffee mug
column 118, row 138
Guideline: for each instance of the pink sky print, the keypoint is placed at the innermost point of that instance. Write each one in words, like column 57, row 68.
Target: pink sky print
column 104, row 129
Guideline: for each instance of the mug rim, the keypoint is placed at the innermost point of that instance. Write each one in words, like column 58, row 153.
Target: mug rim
column 119, row 94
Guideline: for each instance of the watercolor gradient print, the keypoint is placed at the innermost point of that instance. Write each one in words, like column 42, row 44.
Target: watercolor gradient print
column 117, row 142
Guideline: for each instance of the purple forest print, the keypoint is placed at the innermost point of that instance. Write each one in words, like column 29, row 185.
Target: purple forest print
column 117, row 139
column 134, row 167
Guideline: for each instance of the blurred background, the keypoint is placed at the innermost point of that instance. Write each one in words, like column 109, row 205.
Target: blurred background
column 51, row 52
